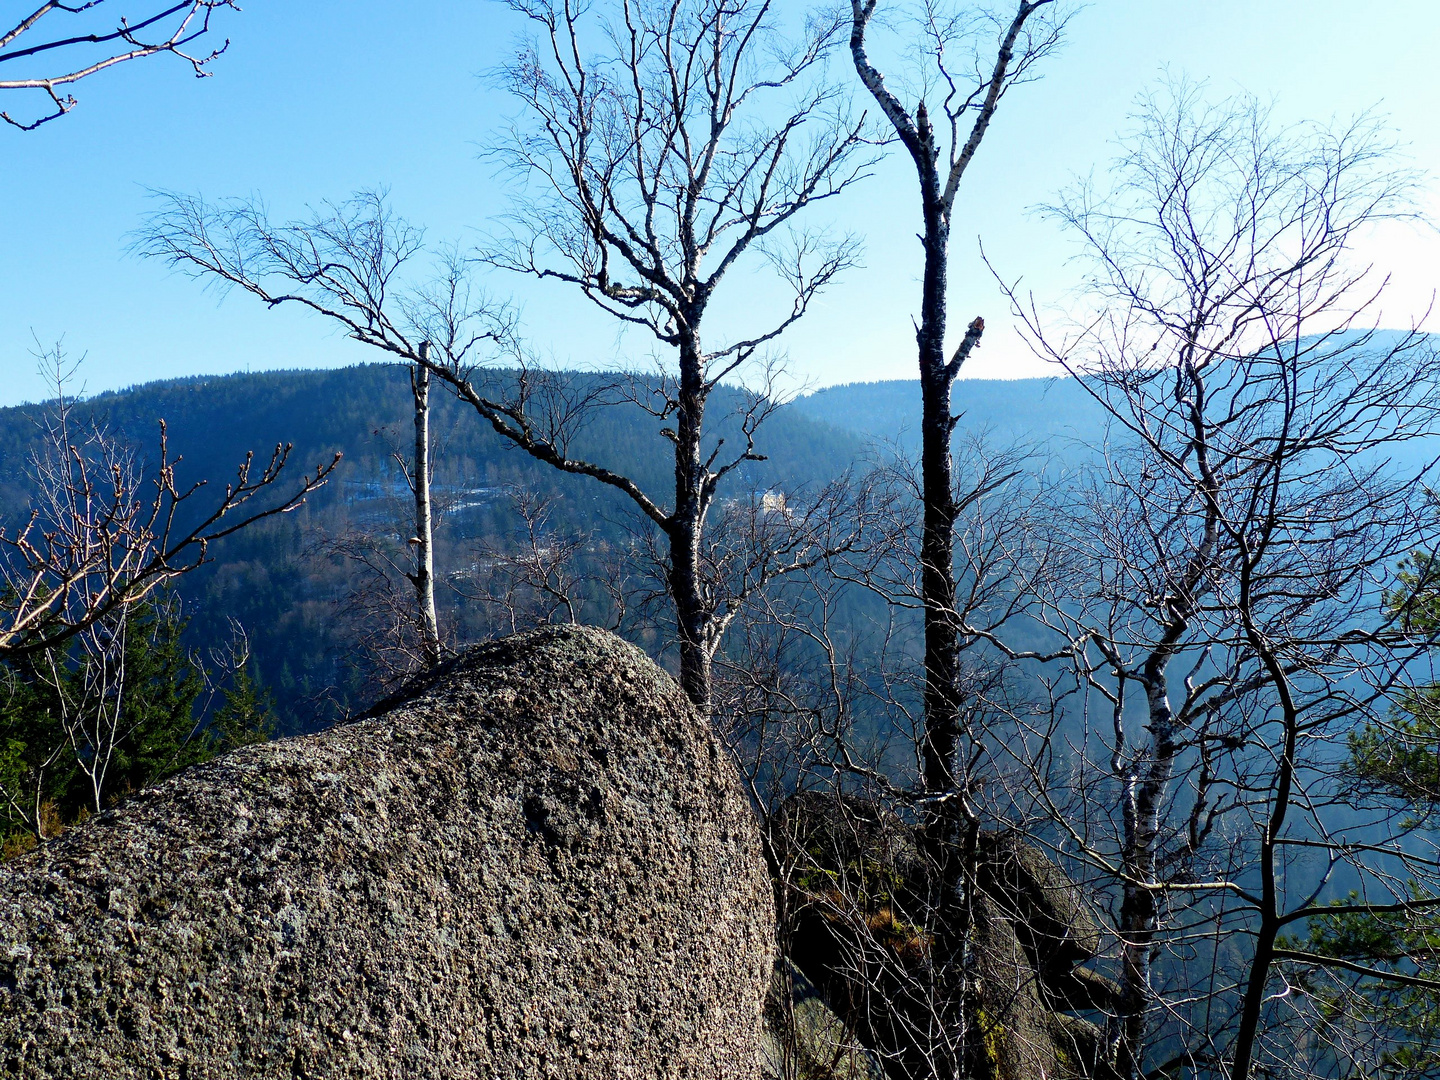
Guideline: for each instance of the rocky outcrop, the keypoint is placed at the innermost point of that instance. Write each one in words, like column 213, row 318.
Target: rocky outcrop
column 1032, row 932
column 537, row 864
column 867, row 923
column 805, row 1039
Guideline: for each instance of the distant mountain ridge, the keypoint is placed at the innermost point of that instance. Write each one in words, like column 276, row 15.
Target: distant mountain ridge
column 214, row 420
column 280, row 584
column 1035, row 410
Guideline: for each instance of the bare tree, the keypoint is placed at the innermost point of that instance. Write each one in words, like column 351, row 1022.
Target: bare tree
column 44, row 53
column 94, row 553
column 107, row 530
column 667, row 146
column 965, row 85
column 820, row 696
column 1261, row 479
column 555, row 572
column 692, row 139
column 423, row 577
column 390, row 599
column 92, row 707
column 965, row 81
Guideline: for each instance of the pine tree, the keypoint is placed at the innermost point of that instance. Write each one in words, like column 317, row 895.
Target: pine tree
column 160, row 730
column 246, row 714
column 1399, row 761
column 44, row 781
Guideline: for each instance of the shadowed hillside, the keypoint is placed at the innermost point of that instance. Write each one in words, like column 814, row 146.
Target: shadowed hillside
column 280, row 582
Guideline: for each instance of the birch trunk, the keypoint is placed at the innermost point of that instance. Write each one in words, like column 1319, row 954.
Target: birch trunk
column 424, row 576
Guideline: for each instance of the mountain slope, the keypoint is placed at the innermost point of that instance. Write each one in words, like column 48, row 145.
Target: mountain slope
column 281, row 581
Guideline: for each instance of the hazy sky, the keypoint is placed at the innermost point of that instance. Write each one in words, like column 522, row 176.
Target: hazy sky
column 316, row 99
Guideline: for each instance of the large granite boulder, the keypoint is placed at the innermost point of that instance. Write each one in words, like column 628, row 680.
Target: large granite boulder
column 536, row 864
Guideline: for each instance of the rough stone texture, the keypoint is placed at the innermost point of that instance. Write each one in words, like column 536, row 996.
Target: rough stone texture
column 539, row 864
column 1032, row 929
column 862, row 927
column 1056, row 927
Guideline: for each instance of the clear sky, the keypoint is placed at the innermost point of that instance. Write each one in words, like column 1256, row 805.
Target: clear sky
column 319, row 98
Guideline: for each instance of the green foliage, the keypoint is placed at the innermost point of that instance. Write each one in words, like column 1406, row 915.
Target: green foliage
column 1398, row 760
column 246, row 715
column 1402, row 757
column 35, row 767
column 1405, row 942
column 54, row 735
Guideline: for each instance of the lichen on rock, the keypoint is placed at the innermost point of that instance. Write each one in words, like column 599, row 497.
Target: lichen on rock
column 536, row 863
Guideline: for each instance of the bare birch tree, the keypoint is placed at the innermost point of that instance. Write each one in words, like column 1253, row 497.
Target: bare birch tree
column 56, row 45
column 1261, row 480
column 423, row 577
column 391, row 599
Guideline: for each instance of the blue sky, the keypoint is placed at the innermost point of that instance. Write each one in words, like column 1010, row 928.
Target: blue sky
column 316, row 99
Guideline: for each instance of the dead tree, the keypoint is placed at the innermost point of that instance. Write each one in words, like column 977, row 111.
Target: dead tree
column 45, row 53
column 1229, row 552
column 967, row 96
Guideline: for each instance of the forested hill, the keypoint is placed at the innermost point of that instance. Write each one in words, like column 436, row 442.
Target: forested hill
column 364, row 411
column 282, row 581
column 286, row 586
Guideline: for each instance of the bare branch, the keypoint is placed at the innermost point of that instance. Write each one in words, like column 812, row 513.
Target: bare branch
column 50, row 64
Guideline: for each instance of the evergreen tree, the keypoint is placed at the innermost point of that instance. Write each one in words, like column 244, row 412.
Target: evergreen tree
column 1401, row 759
column 48, row 773
column 246, row 714
column 1398, row 761
column 36, row 766
column 159, row 731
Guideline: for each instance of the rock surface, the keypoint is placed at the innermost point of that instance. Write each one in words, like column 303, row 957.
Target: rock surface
column 805, row 1039
column 866, row 929
column 537, row 864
